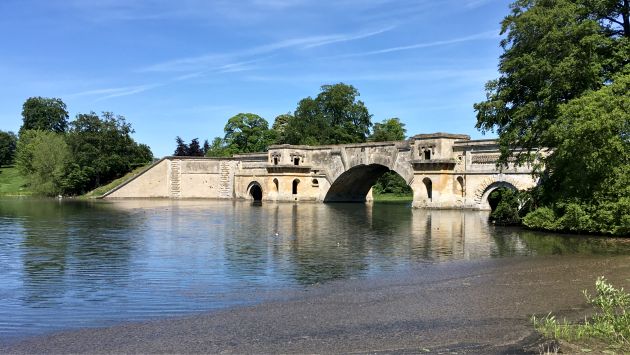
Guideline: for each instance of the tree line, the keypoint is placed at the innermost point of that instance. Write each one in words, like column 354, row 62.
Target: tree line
column 59, row 156
column 563, row 94
column 334, row 116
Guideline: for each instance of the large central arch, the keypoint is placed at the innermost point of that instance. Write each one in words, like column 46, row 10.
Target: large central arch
column 354, row 184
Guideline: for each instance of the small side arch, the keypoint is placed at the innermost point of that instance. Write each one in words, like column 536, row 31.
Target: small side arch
column 484, row 203
column 255, row 191
column 428, row 184
column 294, row 189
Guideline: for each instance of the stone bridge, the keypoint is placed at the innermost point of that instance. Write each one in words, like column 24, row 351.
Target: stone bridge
column 443, row 170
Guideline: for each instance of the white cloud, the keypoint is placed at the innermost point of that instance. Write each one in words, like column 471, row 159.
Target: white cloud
column 218, row 61
column 478, row 36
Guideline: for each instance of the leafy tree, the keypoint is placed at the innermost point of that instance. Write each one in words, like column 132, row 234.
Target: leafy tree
column 206, row 147
column 247, row 133
column 47, row 114
column 555, row 51
column 102, row 150
column 587, row 185
column 388, row 130
column 218, row 148
column 335, row 116
column 182, row 149
column 280, row 125
column 194, row 149
column 8, row 143
column 42, row 157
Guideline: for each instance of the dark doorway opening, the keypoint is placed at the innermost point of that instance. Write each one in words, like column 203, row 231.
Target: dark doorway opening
column 256, row 192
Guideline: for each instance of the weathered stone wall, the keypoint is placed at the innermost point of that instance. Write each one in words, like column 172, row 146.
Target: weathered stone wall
column 443, row 170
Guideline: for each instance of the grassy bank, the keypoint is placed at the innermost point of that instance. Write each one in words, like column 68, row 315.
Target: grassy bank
column 607, row 331
column 12, row 183
column 99, row 191
column 392, row 197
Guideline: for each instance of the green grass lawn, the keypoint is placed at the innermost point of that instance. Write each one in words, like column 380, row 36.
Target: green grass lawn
column 393, row 197
column 12, row 183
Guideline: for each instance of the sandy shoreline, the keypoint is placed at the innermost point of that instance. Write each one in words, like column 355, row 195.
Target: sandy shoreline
column 465, row 306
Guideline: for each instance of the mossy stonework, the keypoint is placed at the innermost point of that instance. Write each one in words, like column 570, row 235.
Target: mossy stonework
column 444, row 171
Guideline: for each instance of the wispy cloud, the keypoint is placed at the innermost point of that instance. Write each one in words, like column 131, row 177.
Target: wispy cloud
column 478, row 36
column 108, row 93
column 215, row 61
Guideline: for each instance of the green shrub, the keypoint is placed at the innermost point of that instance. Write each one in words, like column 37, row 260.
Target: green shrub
column 541, row 218
column 610, row 323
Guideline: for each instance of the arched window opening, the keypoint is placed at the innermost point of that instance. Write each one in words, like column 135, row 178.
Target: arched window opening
column 427, row 154
column 460, row 186
column 296, row 182
column 275, row 160
column 296, row 161
column 429, row 185
column 314, row 182
column 256, row 192
column 275, row 182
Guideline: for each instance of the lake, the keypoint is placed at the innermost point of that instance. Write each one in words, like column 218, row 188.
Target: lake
column 75, row 264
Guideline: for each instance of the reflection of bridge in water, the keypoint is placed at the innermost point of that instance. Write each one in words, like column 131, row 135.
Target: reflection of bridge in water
column 444, row 171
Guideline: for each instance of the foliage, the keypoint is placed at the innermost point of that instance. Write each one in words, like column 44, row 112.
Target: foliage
column 555, row 50
column 508, row 207
column 102, row 150
column 42, row 157
column 388, row 130
column 588, row 181
column 182, row 149
column 46, row 114
column 8, row 143
column 194, row 149
column 248, row 133
column 610, row 323
column 563, row 91
column 592, row 157
column 335, row 116
column 190, row 150
column 391, row 183
column 280, row 125
column 218, row 148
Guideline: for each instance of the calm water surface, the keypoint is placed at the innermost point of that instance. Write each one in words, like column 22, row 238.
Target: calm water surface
column 71, row 264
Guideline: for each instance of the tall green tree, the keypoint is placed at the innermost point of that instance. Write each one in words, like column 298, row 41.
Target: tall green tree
column 218, row 149
column 280, row 125
column 181, row 148
column 554, row 51
column 102, row 150
column 335, row 116
column 389, row 130
column 42, row 157
column 8, row 144
column 46, row 114
column 247, row 133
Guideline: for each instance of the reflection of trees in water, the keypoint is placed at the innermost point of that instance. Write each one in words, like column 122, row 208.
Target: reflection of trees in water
column 540, row 243
column 71, row 246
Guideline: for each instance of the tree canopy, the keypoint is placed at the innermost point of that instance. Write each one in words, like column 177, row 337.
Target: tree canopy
column 8, row 143
column 335, row 116
column 248, row 133
column 389, row 130
column 554, row 51
column 46, row 114
column 563, row 87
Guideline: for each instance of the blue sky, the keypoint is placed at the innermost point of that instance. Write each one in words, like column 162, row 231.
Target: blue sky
column 184, row 67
